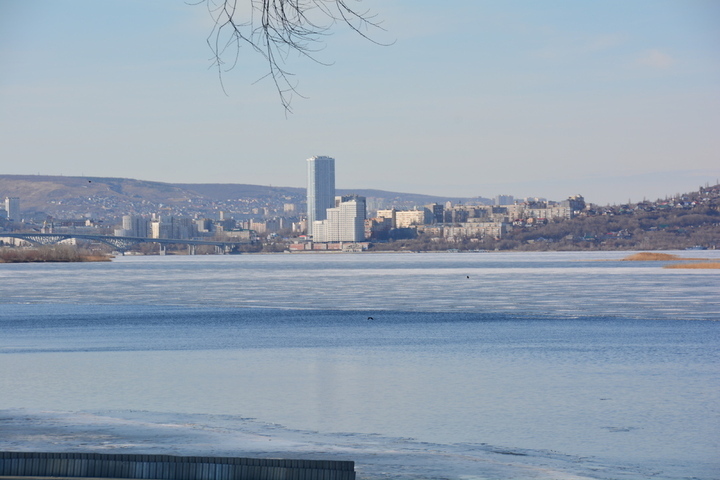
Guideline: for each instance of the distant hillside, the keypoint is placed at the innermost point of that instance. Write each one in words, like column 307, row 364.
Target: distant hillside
column 102, row 197
column 409, row 198
column 40, row 192
column 684, row 221
column 224, row 191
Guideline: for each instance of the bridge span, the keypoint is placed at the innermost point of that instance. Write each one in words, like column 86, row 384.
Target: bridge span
column 121, row 244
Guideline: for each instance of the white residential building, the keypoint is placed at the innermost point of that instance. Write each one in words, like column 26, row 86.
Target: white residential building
column 344, row 223
column 133, row 226
column 390, row 214
column 406, row 218
column 12, row 208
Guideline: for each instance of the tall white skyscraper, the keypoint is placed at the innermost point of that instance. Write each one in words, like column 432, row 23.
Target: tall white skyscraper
column 320, row 189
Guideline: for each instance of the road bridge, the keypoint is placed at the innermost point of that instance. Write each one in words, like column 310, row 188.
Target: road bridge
column 121, row 244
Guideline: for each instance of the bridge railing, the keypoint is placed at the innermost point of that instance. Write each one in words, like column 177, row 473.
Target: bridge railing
column 169, row 467
column 120, row 243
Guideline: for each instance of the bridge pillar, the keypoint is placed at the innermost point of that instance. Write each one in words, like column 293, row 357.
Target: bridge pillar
column 162, row 249
column 191, row 249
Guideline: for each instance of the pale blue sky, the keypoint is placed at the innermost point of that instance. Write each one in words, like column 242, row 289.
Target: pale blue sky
column 609, row 99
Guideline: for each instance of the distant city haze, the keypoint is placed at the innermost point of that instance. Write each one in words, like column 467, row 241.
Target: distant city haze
column 612, row 100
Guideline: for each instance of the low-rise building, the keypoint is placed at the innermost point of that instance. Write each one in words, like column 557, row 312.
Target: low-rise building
column 388, row 214
column 408, row 218
column 475, row 230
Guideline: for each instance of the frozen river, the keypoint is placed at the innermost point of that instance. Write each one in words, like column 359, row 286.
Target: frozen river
column 494, row 365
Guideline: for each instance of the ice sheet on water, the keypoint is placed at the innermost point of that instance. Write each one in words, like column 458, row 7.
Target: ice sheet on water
column 375, row 456
column 532, row 282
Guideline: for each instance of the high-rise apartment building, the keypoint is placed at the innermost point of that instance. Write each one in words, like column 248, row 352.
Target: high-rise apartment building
column 344, row 223
column 12, row 208
column 504, row 200
column 134, row 226
column 172, row 227
column 436, row 213
column 320, row 189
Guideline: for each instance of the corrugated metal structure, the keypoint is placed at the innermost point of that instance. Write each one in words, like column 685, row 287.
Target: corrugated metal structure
column 169, row 467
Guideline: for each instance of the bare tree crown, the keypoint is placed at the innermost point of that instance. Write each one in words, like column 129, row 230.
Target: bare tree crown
column 275, row 29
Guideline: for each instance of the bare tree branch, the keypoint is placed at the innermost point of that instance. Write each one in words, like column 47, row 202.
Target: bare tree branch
column 277, row 28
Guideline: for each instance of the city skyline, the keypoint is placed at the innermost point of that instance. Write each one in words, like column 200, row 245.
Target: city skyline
column 687, row 220
column 616, row 101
